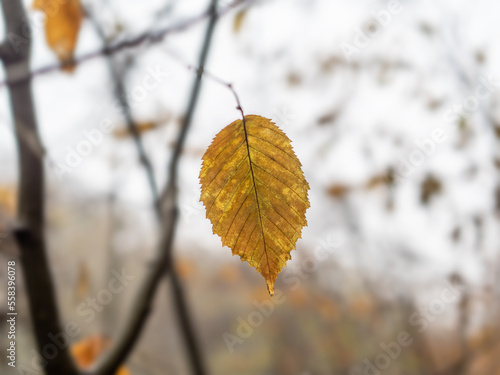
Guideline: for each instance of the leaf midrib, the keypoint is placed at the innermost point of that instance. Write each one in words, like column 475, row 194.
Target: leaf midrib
column 245, row 131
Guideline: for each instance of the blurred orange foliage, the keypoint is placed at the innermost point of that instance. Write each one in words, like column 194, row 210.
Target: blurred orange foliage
column 185, row 268
column 87, row 350
column 8, row 200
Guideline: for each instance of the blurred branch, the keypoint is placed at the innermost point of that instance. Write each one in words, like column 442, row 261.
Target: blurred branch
column 120, row 93
column 125, row 342
column 6, row 52
column 30, row 233
column 180, row 304
column 148, row 37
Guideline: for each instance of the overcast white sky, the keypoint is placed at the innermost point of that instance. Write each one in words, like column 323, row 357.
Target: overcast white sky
column 427, row 53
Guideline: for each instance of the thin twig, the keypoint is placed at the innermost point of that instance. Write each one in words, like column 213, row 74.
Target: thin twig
column 211, row 76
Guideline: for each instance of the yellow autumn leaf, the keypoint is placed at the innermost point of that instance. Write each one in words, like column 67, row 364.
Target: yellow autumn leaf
column 88, row 350
column 238, row 20
column 62, row 24
column 255, row 193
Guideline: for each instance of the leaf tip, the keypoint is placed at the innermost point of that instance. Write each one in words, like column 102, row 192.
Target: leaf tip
column 270, row 287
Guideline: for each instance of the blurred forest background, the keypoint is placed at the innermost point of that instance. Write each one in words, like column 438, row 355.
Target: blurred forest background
column 397, row 125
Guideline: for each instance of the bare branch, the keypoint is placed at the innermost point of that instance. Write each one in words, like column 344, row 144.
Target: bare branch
column 30, row 233
column 148, row 38
column 180, row 304
column 125, row 342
